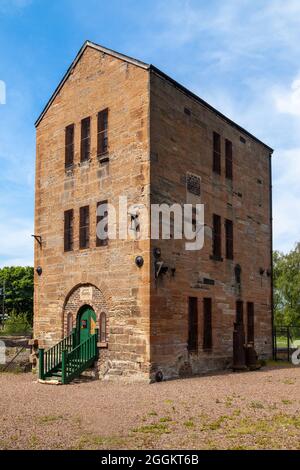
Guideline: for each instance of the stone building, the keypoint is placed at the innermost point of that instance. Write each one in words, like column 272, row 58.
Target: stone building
column 115, row 127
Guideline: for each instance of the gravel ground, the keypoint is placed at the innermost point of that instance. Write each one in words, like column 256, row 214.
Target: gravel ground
column 252, row 410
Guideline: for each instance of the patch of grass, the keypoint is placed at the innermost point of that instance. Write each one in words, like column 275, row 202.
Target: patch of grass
column 33, row 441
column 287, row 402
column 152, row 413
column 165, row 419
column 289, row 381
column 189, row 423
column 216, row 424
column 157, row 428
column 256, row 405
column 49, row 419
column 169, row 402
column 91, row 441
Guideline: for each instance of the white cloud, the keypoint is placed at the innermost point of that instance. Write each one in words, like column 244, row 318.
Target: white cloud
column 287, row 100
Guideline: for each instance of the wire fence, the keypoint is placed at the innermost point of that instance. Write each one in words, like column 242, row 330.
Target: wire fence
column 286, row 341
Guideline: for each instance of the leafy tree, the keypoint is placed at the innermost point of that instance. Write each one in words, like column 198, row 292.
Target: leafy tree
column 17, row 284
column 287, row 287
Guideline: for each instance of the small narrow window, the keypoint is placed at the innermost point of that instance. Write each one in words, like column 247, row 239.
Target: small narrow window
column 102, row 328
column 102, row 226
column 217, row 153
column 193, row 324
column 229, row 238
column 69, row 323
column 84, row 227
column 239, row 311
column 69, row 145
column 85, row 139
column 216, row 237
column 250, row 322
column 228, row 159
column 207, row 326
column 68, row 230
column 102, row 132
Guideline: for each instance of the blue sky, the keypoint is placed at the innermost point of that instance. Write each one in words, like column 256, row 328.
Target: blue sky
column 243, row 56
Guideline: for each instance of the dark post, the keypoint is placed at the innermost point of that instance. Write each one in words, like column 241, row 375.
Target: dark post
column 41, row 364
column 288, row 342
column 63, row 366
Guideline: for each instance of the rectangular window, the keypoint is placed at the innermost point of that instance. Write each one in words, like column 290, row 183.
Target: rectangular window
column 85, row 139
column 228, row 159
column 217, row 153
column 250, row 322
column 84, row 227
column 102, row 140
column 216, row 237
column 239, row 311
column 229, row 238
column 193, row 324
column 101, row 230
column 69, row 145
column 68, row 230
column 207, row 323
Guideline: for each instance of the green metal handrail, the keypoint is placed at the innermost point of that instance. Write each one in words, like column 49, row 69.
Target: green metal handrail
column 52, row 358
column 79, row 359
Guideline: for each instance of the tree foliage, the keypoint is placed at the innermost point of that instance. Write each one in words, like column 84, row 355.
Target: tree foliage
column 18, row 283
column 287, row 287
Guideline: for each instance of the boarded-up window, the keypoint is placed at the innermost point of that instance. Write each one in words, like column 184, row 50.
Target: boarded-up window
column 102, row 327
column 102, row 228
column 228, row 159
column 239, row 311
column 217, row 153
column 207, row 323
column 216, row 237
column 85, row 139
column 229, row 238
column 84, row 227
column 250, row 322
column 193, row 324
column 102, row 140
column 68, row 230
column 69, row 145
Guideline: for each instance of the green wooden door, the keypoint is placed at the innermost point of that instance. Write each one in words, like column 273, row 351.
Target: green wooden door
column 86, row 323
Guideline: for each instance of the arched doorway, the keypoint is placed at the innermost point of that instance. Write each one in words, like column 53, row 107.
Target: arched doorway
column 86, row 323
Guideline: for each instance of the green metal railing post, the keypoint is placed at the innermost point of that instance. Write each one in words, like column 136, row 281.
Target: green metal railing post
column 74, row 338
column 96, row 342
column 63, row 366
column 41, row 364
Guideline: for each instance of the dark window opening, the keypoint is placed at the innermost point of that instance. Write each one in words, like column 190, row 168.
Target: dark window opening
column 228, row 159
column 216, row 237
column 207, row 323
column 239, row 311
column 84, row 227
column 216, row 153
column 68, row 230
column 250, row 322
column 229, row 238
column 102, row 328
column 101, row 228
column 69, row 145
column 193, row 324
column 102, row 139
column 85, row 139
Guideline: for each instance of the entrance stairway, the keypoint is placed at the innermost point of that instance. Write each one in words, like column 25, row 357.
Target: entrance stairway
column 67, row 359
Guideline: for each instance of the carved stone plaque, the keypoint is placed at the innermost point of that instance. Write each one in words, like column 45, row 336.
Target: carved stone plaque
column 86, row 294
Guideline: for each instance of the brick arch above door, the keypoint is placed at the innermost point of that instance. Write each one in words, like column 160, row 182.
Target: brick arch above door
column 80, row 295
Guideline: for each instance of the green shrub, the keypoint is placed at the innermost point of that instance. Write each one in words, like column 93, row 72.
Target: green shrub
column 17, row 324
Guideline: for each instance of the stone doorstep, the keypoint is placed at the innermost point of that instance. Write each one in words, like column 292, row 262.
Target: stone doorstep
column 49, row 382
